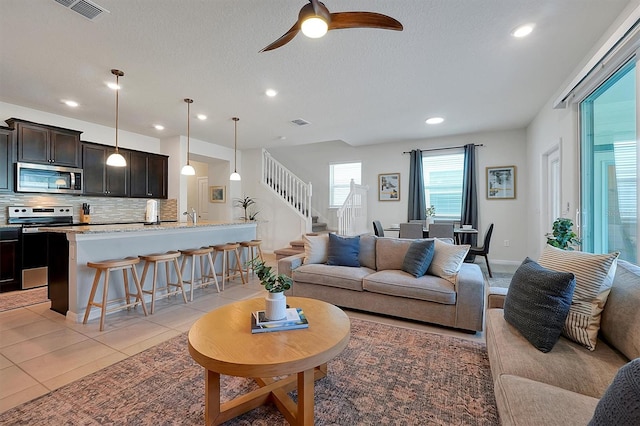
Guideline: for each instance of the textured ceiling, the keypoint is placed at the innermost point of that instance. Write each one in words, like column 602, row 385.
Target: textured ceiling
column 455, row 59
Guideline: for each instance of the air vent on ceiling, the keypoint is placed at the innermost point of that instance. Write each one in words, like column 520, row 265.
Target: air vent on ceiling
column 300, row 122
column 89, row 10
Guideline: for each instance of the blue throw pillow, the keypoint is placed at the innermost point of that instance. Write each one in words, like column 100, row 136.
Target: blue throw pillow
column 538, row 302
column 343, row 251
column 418, row 257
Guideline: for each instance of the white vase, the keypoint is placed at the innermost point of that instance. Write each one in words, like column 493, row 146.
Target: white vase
column 429, row 221
column 276, row 306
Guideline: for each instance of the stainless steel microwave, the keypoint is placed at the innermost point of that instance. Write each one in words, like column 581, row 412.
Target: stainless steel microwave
column 45, row 178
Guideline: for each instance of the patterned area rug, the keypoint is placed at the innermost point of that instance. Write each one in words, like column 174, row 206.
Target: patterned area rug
column 21, row 298
column 387, row 375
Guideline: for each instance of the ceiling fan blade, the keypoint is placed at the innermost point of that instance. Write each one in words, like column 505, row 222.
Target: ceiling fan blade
column 286, row 38
column 343, row 20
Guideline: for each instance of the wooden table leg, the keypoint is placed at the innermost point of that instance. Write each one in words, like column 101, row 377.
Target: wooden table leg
column 306, row 384
column 211, row 397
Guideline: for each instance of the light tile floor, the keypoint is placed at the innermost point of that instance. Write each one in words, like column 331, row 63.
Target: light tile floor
column 41, row 351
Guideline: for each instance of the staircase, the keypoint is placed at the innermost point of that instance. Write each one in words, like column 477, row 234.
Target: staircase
column 352, row 216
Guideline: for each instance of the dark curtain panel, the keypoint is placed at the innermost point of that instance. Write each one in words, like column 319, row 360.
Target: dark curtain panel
column 469, row 214
column 417, row 204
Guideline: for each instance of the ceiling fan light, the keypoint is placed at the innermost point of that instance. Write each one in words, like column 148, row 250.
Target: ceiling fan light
column 314, row 27
column 188, row 170
column 116, row 160
column 235, row 176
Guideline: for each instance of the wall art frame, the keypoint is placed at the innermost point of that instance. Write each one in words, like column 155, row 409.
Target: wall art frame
column 389, row 187
column 217, row 194
column 501, row 182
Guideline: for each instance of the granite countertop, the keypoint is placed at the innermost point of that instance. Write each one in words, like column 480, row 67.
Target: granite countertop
column 137, row 227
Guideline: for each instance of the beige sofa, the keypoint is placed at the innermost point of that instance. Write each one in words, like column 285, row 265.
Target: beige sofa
column 380, row 286
column 563, row 386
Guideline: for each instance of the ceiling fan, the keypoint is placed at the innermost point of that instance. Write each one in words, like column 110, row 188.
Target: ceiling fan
column 314, row 20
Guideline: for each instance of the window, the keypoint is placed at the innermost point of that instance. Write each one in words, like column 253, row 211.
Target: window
column 443, row 174
column 609, row 162
column 340, row 176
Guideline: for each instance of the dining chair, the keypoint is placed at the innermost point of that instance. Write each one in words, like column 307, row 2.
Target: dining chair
column 377, row 228
column 410, row 230
column 484, row 249
column 441, row 230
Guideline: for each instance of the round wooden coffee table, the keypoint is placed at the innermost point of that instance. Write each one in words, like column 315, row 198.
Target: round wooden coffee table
column 221, row 341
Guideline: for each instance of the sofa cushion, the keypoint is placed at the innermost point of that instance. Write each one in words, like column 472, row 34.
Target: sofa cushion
column 402, row 284
column 332, row 276
column 343, row 251
column 418, row 257
column 367, row 256
column 447, row 259
column 594, row 276
column 316, row 248
column 538, row 302
column 621, row 318
column 620, row 404
column 567, row 365
column 390, row 252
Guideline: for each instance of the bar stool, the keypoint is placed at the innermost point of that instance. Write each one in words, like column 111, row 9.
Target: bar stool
column 107, row 266
column 201, row 254
column 254, row 251
column 226, row 250
column 170, row 257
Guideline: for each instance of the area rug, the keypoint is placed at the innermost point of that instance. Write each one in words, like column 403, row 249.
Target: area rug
column 387, row 375
column 22, row 298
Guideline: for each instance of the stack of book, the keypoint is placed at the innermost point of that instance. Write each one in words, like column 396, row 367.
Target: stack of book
column 294, row 320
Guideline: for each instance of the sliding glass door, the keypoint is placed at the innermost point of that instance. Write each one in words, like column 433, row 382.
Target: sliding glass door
column 609, row 158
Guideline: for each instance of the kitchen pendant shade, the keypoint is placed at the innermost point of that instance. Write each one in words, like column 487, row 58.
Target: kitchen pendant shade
column 188, row 169
column 235, row 175
column 116, row 159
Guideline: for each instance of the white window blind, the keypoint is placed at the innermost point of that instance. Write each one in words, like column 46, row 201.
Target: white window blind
column 443, row 175
column 340, row 175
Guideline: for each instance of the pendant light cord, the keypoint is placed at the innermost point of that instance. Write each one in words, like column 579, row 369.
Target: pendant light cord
column 235, row 145
column 117, row 103
column 189, row 102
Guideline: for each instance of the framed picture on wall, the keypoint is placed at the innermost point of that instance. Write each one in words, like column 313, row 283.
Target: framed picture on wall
column 389, row 187
column 501, row 182
column 217, row 194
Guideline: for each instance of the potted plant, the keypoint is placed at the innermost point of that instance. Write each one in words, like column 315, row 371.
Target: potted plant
column 430, row 212
column 276, row 302
column 245, row 203
column 563, row 236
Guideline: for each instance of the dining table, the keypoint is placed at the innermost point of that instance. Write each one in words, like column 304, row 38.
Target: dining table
column 457, row 232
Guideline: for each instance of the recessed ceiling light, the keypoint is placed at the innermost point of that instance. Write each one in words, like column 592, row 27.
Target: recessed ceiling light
column 72, row 104
column 434, row 120
column 201, row 117
column 113, row 86
column 271, row 93
column 522, row 30
column 158, row 126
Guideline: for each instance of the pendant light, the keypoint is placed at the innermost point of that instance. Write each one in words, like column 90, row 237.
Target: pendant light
column 116, row 159
column 235, row 175
column 188, row 169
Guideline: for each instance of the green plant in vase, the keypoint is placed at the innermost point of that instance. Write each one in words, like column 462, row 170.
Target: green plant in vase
column 276, row 285
column 245, row 203
column 563, row 236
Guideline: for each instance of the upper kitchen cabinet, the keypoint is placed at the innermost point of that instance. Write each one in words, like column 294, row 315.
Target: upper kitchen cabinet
column 7, row 149
column 39, row 143
column 100, row 179
column 149, row 175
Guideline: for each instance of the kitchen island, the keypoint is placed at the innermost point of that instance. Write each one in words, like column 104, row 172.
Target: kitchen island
column 71, row 247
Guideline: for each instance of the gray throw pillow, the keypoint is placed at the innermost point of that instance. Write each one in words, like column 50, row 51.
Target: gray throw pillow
column 418, row 257
column 620, row 404
column 538, row 302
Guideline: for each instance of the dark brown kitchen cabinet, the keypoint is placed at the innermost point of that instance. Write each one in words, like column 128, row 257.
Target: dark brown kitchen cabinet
column 100, row 179
column 43, row 144
column 149, row 175
column 10, row 259
column 7, row 148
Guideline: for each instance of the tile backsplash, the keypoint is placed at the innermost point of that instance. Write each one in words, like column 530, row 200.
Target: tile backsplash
column 104, row 210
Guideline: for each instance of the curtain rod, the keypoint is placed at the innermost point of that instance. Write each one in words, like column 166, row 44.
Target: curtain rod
column 440, row 149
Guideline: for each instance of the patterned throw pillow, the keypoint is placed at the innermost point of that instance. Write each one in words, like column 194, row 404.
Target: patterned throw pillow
column 343, row 251
column 316, row 248
column 418, row 257
column 447, row 260
column 594, row 277
column 538, row 302
column 620, row 404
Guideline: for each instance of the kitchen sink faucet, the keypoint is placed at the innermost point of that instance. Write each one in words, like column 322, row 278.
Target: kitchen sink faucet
column 192, row 215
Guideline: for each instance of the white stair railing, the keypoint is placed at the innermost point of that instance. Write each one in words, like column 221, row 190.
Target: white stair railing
column 291, row 189
column 352, row 216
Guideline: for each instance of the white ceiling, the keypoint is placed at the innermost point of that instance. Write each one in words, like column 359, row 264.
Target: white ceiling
column 455, row 58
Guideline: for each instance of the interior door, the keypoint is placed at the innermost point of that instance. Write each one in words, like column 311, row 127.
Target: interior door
column 203, row 198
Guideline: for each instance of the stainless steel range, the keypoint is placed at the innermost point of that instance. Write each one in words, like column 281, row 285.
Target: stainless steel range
column 34, row 241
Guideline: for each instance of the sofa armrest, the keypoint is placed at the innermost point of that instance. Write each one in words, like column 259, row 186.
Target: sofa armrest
column 495, row 299
column 470, row 297
column 289, row 263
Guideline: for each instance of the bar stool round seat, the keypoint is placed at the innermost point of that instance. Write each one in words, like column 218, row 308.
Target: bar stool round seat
column 254, row 251
column 170, row 257
column 228, row 272
column 106, row 267
column 198, row 255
